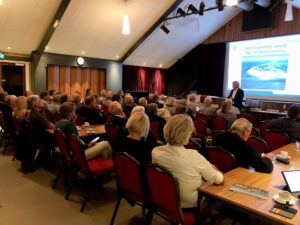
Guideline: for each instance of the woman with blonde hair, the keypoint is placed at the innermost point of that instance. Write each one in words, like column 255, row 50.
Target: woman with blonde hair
column 171, row 105
column 20, row 109
column 235, row 141
column 138, row 126
column 186, row 164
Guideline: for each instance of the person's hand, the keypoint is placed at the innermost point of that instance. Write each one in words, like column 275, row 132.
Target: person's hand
column 92, row 143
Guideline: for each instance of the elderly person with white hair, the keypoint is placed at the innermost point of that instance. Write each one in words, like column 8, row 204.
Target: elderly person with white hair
column 207, row 109
column 235, row 141
column 118, row 117
column 134, row 144
column 170, row 105
column 187, row 165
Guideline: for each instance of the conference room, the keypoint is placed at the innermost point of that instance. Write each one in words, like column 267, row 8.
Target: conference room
column 142, row 63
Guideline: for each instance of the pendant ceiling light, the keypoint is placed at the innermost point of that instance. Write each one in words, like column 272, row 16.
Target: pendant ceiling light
column 126, row 25
column 289, row 11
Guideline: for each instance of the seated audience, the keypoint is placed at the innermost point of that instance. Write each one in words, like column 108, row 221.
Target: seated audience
column 68, row 127
column 134, row 144
column 76, row 99
column 91, row 112
column 161, row 100
column 235, row 141
column 6, row 110
column 187, row 165
column 44, row 97
column 171, row 105
column 108, row 98
column 53, row 106
column 289, row 125
column 152, row 113
column 88, row 92
column 207, row 109
column 226, row 112
column 64, row 98
column 20, row 109
column 142, row 102
column 118, row 116
column 39, row 124
column 164, row 113
column 128, row 104
column 155, row 99
column 192, row 104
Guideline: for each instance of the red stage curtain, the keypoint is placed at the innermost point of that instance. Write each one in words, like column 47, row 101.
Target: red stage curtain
column 143, row 79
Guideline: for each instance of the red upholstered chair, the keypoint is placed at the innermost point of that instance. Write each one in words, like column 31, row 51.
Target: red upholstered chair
column 93, row 169
column 244, row 115
column 165, row 197
column 221, row 158
column 255, row 132
column 219, row 123
column 112, row 132
column 201, row 116
column 201, row 127
column 128, row 181
column 65, row 156
column 154, row 127
column 215, row 133
column 259, row 144
column 275, row 139
column 194, row 145
column 57, row 117
column 80, row 120
column 263, row 125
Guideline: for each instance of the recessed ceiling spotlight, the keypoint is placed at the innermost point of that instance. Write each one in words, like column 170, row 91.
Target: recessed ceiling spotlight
column 8, row 48
column 144, row 64
column 46, row 47
column 117, row 56
column 83, row 52
column 56, row 22
column 160, row 65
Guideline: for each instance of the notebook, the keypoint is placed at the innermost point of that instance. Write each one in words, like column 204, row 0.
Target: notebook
column 292, row 178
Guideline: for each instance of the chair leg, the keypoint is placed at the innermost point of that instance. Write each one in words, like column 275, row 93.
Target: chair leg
column 149, row 217
column 57, row 176
column 115, row 211
column 71, row 185
column 85, row 199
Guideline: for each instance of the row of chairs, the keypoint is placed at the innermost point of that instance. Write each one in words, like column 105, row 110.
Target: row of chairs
column 94, row 169
column 164, row 189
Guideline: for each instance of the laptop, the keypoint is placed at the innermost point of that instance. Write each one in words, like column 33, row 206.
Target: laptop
column 292, row 180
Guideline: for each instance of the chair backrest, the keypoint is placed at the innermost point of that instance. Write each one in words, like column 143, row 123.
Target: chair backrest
column 258, row 143
column 220, row 123
column 128, row 176
column 2, row 121
column 194, row 145
column 201, row 116
column 18, row 125
column 48, row 115
column 275, row 139
column 255, row 132
column 62, row 143
column 221, row 158
column 263, row 125
column 57, row 117
column 78, row 153
column 154, row 126
column 201, row 127
column 244, row 115
column 112, row 132
column 164, row 190
column 80, row 120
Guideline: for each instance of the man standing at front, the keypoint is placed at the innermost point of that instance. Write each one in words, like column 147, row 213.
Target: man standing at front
column 236, row 95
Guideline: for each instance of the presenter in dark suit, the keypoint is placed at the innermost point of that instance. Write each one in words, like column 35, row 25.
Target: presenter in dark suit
column 236, row 95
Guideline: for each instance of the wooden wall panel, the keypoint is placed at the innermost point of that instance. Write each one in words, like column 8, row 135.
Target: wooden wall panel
column 68, row 79
column 64, row 79
column 85, row 80
column 232, row 31
column 95, row 80
column 53, row 77
column 75, row 79
column 102, row 77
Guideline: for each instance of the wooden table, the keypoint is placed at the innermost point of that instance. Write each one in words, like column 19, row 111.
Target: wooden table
column 273, row 182
column 84, row 131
